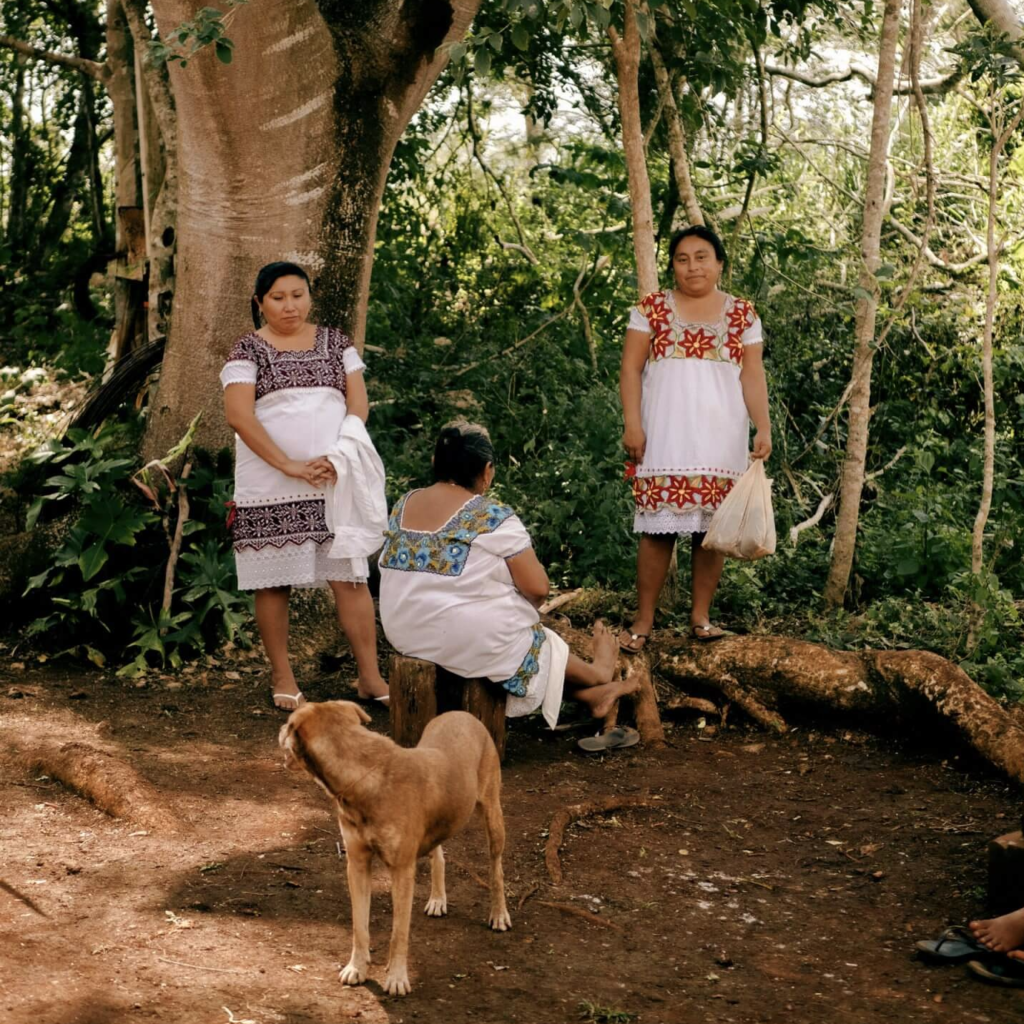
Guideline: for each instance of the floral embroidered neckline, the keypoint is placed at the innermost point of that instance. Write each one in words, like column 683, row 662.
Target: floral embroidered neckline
column 319, row 332
column 721, row 322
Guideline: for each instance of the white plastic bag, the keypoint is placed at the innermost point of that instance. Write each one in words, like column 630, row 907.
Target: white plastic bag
column 744, row 525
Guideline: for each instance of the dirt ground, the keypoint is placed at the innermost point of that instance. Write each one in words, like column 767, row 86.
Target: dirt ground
column 778, row 879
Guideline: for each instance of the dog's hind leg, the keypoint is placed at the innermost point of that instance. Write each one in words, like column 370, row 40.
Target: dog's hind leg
column 494, row 823
column 359, row 859
column 437, row 905
column 403, row 879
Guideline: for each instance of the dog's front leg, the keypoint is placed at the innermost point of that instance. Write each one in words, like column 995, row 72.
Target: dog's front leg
column 437, row 905
column 359, row 859
column 494, row 823
column 403, row 878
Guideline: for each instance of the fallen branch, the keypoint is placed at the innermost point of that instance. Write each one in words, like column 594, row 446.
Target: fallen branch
column 200, row 967
column 684, row 703
column 21, row 898
column 566, row 908
column 534, row 886
column 567, row 815
column 113, row 786
column 886, row 686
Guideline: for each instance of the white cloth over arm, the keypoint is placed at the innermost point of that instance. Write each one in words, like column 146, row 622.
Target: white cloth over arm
column 356, row 507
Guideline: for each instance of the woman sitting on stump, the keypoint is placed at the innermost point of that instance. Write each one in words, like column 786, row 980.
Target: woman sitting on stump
column 460, row 587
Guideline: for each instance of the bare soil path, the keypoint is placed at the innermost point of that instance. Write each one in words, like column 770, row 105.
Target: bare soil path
column 775, row 879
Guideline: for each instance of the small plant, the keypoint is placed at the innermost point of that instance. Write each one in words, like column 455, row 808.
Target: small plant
column 604, row 1014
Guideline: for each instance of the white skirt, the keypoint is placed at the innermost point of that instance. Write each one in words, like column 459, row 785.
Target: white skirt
column 546, row 688
column 296, row 565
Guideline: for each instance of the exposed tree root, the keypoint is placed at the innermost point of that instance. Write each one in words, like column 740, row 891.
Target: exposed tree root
column 684, row 703
column 561, row 820
column 761, row 674
column 567, row 908
column 113, row 786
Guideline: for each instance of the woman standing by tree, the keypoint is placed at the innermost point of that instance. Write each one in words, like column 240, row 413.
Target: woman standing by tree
column 288, row 385
column 692, row 380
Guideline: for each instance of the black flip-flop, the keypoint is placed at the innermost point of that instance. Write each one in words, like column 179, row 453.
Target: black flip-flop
column 614, row 739
column 955, row 945
column 1001, row 971
column 633, row 637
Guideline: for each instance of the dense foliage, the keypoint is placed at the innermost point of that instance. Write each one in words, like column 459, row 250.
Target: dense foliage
column 501, row 288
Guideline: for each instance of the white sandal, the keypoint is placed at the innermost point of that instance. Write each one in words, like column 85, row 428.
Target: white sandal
column 296, row 698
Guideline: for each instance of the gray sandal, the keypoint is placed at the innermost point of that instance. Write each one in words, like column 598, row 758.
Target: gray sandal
column 614, row 739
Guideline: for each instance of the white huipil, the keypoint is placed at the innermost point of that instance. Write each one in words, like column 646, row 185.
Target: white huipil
column 279, row 530
column 447, row 596
column 692, row 411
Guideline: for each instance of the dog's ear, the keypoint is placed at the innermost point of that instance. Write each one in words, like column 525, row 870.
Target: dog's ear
column 353, row 711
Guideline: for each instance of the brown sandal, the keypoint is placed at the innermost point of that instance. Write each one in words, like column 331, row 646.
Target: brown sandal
column 628, row 645
column 709, row 632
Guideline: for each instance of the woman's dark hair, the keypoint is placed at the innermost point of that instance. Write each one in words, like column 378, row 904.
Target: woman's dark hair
column 462, row 452
column 265, row 281
column 697, row 231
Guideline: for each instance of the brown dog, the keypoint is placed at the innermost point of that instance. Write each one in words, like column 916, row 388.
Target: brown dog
column 400, row 804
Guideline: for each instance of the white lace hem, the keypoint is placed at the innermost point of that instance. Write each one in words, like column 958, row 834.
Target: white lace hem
column 296, row 565
column 695, row 520
column 351, row 361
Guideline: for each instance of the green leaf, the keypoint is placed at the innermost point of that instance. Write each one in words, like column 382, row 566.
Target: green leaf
column 908, row 567
column 37, row 581
column 33, row 513
column 457, row 52
column 98, row 659
column 223, row 52
column 92, row 560
column 495, row 40
column 520, row 38
column 482, row 62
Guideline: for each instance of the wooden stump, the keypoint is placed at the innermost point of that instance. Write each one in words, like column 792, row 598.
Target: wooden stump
column 421, row 691
column 1006, row 873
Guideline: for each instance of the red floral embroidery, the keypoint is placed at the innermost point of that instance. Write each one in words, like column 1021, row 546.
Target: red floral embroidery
column 739, row 318
column 659, row 317
column 630, row 470
column 697, row 342
column 679, row 493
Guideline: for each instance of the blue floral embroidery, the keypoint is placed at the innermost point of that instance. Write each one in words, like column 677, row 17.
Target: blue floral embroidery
column 444, row 551
column 517, row 684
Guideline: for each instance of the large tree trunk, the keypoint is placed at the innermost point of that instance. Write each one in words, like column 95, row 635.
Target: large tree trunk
column 283, row 155
column 765, row 676
column 626, row 52
column 867, row 306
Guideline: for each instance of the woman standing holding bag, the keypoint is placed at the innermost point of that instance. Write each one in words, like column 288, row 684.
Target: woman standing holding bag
column 288, row 386
column 692, row 380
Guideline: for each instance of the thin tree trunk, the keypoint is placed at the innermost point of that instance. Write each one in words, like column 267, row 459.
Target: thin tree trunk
column 283, row 155
column 676, row 139
column 20, row 159
column 867, row 306
column 991, row 299
column 626, row 53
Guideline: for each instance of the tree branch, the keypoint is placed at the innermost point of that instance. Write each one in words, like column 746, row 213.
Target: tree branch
column 92, row 68
column 933, row 86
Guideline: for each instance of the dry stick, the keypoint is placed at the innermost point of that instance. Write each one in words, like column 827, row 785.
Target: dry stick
column 823, row 507
column 534, row 886
column 475, row 137
column 172, row 559
column 587, row 331
column 22, row 898
column 557, row 602
column 562, row 818
column 200, row 967
column 565, row 908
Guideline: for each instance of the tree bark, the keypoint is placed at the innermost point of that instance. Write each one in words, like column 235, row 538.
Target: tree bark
column 283, row 155
column 626, row 53
column 867, row 306
column 676, row 140
column 780, row 674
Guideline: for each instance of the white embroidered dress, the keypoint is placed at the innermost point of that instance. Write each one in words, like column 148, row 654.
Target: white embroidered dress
column 447, row 596
column 692, row 412
column 278, row 524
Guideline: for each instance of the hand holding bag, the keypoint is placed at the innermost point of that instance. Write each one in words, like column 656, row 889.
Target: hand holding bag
column 744, row 524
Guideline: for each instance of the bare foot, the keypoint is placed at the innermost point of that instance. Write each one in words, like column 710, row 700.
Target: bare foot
column 370, row 688
column 606, row 652
column 599, row 699
column 1001, row 934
